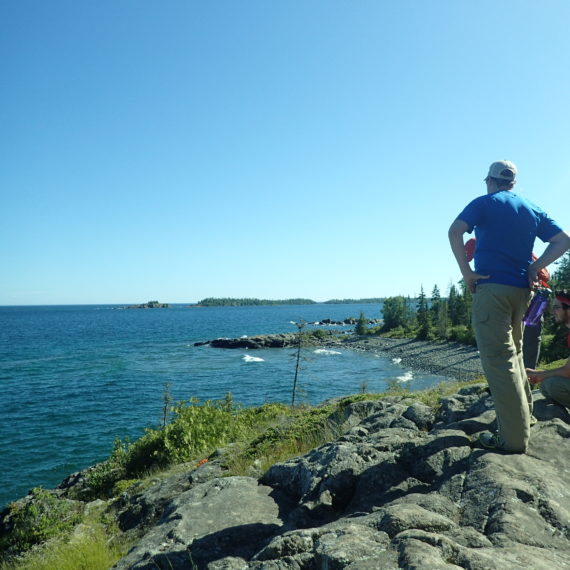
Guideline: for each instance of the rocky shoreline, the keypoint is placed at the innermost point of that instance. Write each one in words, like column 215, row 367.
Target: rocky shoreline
column 400, row 485
column 450, row 359
column 442, row 358
column 404, row 486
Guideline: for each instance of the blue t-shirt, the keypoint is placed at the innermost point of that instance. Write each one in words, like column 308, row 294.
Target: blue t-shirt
column 506, row 226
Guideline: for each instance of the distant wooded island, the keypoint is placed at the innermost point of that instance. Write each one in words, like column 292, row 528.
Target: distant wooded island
column 150, row 305
column 235, row 302
column 354, row 301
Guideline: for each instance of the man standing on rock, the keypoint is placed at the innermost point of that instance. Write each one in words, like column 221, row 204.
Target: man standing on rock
column 555, row 383
column 506, row 226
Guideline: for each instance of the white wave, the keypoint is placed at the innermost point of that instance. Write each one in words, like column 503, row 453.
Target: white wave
column 326, row 351
column 406, row 377
column 248, row 358
column 243, row 336
column 396, row 360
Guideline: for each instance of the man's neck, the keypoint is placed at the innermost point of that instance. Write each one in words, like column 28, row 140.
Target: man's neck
column 494, row 190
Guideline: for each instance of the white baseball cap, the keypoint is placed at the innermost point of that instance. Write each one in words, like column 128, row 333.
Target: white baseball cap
column 503, row 169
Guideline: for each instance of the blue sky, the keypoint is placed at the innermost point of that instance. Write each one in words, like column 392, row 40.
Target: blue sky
column 273, row 149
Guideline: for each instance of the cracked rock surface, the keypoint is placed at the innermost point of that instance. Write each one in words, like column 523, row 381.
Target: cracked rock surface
column 405, row 486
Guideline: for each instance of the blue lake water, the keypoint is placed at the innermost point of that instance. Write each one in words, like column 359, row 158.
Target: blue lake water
column 72, row 378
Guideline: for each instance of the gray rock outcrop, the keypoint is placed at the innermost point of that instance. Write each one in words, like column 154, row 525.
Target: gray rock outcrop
column 282, row 340
column 405, row 486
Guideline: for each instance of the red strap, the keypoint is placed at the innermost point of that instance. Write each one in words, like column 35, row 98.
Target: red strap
column 470, row 249
column 563, row 298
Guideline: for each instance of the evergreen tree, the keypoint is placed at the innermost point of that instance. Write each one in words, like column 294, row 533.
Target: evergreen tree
column 442, row 322
column 460, row 305
column 439, row 313
column 410, row 314
column 424, row 317
column 561, row 277
column 466, row 298
column 435, row 303
column 361, row 324
column 453, row 306
column 394, row 312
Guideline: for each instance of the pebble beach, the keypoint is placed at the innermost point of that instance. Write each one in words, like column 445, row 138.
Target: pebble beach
column 451, row 359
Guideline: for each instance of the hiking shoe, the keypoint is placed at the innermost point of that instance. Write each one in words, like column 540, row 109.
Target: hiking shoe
column 490, row 440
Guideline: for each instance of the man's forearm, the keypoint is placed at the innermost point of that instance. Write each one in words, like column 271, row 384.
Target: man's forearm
column 562, row 371
column 455, row 234
column 555, row 249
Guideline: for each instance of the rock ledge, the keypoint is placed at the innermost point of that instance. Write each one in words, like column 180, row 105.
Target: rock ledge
column 403, row 487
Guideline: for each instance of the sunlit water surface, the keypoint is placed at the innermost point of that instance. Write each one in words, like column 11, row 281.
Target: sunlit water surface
column 73, row 378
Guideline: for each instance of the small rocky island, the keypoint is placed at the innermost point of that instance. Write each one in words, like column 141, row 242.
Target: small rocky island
column 150, row 305
column 285, row 340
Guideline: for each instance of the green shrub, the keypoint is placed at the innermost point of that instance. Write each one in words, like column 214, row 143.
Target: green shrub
column 124, row 486
column 102, row 477
column 554, row 346
column 304, row 429
column 361, row 325
column 145, row 454
column 463, row 334
column 320, row 334
column 397, row 332
column 91, row 551
column 37, row 519
column 426, row 332
column 197, row 429
column 374, row 331
column 312, row 337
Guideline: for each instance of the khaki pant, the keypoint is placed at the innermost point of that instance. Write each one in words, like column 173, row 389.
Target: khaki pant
column 497, row 321
column 558, row 389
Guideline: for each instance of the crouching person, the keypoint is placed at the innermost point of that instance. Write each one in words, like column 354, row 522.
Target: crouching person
column 555, row 383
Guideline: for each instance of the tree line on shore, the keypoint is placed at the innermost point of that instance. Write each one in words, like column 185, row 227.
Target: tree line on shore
column 449, row 318
column 246, row 302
